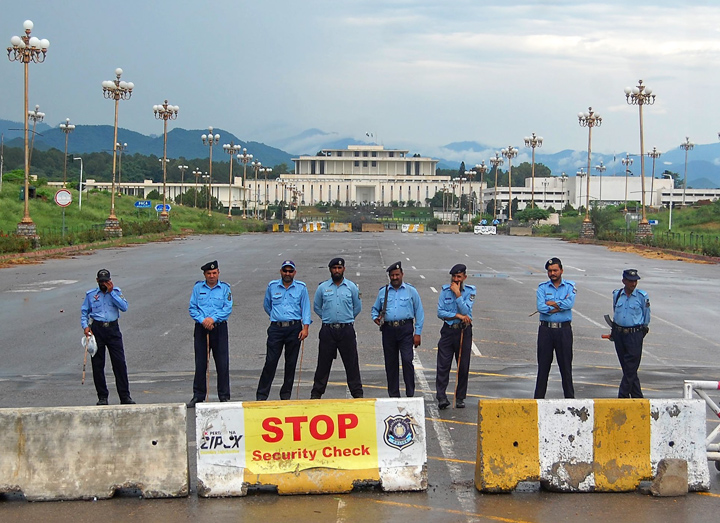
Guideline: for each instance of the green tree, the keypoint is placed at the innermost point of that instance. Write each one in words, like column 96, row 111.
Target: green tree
column 530, row 214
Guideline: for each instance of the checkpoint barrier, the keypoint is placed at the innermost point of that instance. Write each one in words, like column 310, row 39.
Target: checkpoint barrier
column 70, row 453
column 413, row 227
column 699, row 387
column 448, row 228
column 485, row 229
column 280, row 227
column 311, row 447
column 373, row 227
column 340, row 227
column 310, row 227
column 587, row 445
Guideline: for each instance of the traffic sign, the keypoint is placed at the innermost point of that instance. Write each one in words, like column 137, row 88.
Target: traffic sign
column 143, row 204
column 653, row 222
column 159, row 207
column 63, row 197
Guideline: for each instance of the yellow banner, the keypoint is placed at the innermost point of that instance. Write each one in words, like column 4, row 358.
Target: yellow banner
column 284, row 437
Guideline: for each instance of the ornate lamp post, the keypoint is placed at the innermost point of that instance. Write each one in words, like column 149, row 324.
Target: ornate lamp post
column 482, row 170
column 496, row 162
column 265, row 170
column 654, row 154
column 36, row 116
column 589, row 119
column 600, row 169
column 641, row 95
column 210, row 140
column 182, row 181
column 580, row 174
column 687, row 145
column 563, row 179
column 115, row 90
column 67, row 128
column 627, row 162
column 244, row 158
column 121, row 147
column 197, row 173
column 510, row 153
column 533, row 142
column 256, row 164
column 165, row 112
column 231, row 149
column 26, row 49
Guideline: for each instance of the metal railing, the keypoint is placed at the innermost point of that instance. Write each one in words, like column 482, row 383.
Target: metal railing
column 699, row 387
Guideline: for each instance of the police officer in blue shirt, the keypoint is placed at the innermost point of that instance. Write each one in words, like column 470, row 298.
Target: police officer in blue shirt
column 210, row 306
column 631, row 307
column 288, row 305
column 455, row 305
column 99, row 317
column 394, row 310
column 337, row 302
column 555, row 300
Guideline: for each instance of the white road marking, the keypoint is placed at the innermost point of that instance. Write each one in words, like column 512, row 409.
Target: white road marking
column 165, row 333
column 520, row 282
column 414, row 268
column 467, row 255
column 408, row 259
column 475, row 350
column 433, row 289
column 575, row 311
column 357, row 274
column 686, row 331
column 576, row 268
column 481, row 263
column 42, row 286
column 237, row 283
column 421, row 276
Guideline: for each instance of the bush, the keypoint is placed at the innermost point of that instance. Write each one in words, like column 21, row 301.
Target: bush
column 14, row 243
column 147, row 227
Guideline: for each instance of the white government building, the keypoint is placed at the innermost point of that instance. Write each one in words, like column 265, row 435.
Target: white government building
column 371, row 174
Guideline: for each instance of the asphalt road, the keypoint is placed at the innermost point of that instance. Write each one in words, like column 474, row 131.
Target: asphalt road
column 42, row 356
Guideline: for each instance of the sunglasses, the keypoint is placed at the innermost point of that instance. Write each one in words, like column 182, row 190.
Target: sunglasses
column 288, row 270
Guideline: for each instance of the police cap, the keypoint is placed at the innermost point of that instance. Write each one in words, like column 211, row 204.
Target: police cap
column 631, row 274
column 210, row 266
column 336, row 261
column 103, row 275
column 553, row 261
column 395, row 266
column 458, row 268
column 288, row 263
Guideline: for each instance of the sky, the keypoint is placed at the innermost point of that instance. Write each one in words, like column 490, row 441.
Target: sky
column 416, row 74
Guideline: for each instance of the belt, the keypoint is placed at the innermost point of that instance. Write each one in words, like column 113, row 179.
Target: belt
column 103, row 323
column 337, row 325
column 459, row 325
column 628, row 330
column 556, row 324
column 398, row 323
column 285, row 323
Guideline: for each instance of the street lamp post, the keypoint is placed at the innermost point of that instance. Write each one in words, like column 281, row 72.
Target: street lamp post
column 482, row 170
column 182, row 181
column 641, row 95
column 36, row 116
column 80, row 186
column 510, row 153
column 265, row 170
column 210, row 140
column 165, row 112
column 26, row 49
column 654, row 154
column 589, row 119
column 672, row 186
column 231, row 149
column 496, row 162
column 580, row 174
column 600, row 169
column 627, row 162
column 121, row 147
column 687, row 145
column 197, row 173
column 115, row 90
column 67, row 128
column 256, row 164
column 244, row 158
column 533, row 142
column 563, row 179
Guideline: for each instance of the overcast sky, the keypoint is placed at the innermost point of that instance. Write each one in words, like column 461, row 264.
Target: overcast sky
column 420, row 72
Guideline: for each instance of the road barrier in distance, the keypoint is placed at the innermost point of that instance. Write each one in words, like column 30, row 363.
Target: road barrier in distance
column 340, row 227
column 71, row 453
column 373, row 227
column 280, row 227
column 448, row 228
column 311, row 447
column 413, row 227
column 600, row 445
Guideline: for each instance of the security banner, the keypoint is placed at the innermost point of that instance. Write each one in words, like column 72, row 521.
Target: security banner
column 485, row 229
column 310, row 446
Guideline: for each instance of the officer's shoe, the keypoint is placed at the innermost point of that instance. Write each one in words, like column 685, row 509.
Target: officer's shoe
column 443, row 404
column 127, row 401
column 460, row 404
column 192, row 402
column 223, row 400
column 102, row 401
column 315, row 396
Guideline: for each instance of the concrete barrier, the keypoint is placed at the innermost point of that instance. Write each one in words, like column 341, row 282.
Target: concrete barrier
column 311, row 447
column 521, row 231
column 69, row 453
column 448, row 228
column 413, row 227
column 340, row 227
column 587, row 445
column 280, row 227
column 373, row 227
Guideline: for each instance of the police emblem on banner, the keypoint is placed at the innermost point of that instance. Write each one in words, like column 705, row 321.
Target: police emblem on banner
column 399, row 431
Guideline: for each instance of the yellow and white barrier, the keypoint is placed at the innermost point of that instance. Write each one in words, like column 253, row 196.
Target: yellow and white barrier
column 281, row 227
column 412, row 227
column 587, row 445
column 340, row 227
column 303, row 447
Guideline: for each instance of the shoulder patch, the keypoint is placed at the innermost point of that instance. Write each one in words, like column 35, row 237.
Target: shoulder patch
column 229, row 296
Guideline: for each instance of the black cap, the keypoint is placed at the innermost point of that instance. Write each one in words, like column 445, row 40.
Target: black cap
column 103, row 275
column 395, row 266
column 631, row 274
column 553, row 261
column 210, row 266
column 336, row 261
column 458, row 268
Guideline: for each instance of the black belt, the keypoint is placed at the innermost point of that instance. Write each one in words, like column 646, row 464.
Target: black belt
column 556, row 324
column 398, row 323
column 285, row 323
column 337, row 325
column 629, row 330
column 459, row 325
column 103, row 323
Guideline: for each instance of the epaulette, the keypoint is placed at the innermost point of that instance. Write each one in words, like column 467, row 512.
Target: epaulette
column 91, row 291
column 298, row 282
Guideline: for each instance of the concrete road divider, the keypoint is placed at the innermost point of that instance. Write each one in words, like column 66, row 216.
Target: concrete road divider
column 373, row 227
column 412, row 227
column 587, row 445
column 71, row 453
column 448, row 228
column 340, row 227
column 311, row 447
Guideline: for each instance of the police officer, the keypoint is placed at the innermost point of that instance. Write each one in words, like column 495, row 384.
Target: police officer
column 631, row 308
column 555, row 300
column 99, row 317
column 288, row 305
column 210, row 306
column 394, row 310
column 455, row 305
column 337, row 302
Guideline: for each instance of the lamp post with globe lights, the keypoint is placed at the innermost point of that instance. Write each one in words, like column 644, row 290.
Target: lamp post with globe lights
column 115, row 90
column 496, row 161
column 121, row 147
column 600, row 169
column 36, row 116
column 510, row 152
column 654, row 154
column 563, row 179
column 244, row 158
column 256, row 164
column 26, row 49
column 165, row 112
column 182, row 168
column 482, row 170
column 266, row 201
column 687, row 145
column 197, row 173
column 588, row 119
column 533, row 142
column 627, row 162
column 210, row 140
column 67, row 128
column 580, row 174
column 231, row 149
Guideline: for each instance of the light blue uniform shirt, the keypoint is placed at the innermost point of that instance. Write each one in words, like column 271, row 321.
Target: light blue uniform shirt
column 287, row 304
column 206, row 302
column 337, row 303
column 449, row 305
column 403, row 304
column 563, row 295
column 633, row 310
column 102, row 306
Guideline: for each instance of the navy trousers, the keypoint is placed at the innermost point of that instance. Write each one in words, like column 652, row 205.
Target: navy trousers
column 449, row 347
column 332, row 341
column 277, row 339
column 629, row 351
column 220, row 353
column 109, row 337
column 559, row 341
column 398, row 346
